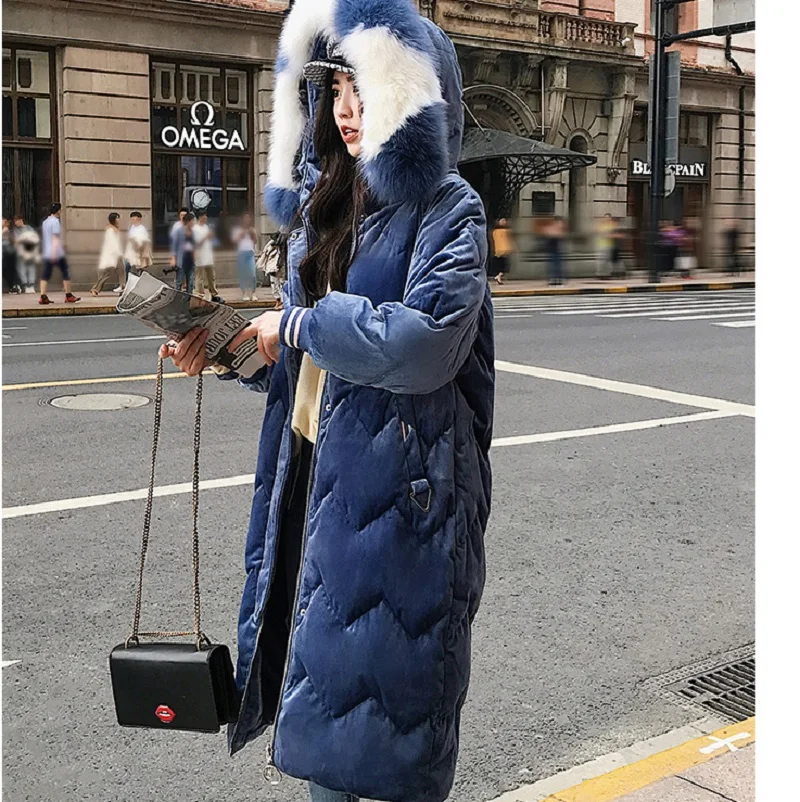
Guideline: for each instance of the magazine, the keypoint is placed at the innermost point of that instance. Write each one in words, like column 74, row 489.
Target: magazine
column 174, row 313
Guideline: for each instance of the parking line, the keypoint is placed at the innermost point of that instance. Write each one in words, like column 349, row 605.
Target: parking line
column 627, row 388
column 7, row 388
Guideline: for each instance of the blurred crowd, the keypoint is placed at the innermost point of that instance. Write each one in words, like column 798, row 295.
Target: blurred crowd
column 610, row 246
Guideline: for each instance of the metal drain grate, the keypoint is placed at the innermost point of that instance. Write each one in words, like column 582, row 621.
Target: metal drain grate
column 725, row 686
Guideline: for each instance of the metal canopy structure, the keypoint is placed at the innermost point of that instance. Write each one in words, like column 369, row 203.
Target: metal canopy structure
column 521, row 161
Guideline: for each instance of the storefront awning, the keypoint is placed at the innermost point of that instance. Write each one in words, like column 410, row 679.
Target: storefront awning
column 521, row 161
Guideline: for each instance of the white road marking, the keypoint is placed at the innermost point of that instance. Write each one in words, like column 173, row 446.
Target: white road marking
column 627, row 388
column 724, row 743
column 14, row 328
column 503, row 317
column 709, row 317
column 84, row 502
column 613, row 428
column 704, row 308
column 85, row 342
column 7, row 663
column 737, row 324
column 62, row 505
column 633, row 305
column 642, row 311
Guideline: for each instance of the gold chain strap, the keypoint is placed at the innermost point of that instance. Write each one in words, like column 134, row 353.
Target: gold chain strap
column 200, row 638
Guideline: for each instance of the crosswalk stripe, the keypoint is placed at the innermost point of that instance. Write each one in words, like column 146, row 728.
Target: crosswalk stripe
column 700, row 309
column 650, row 310
column 709, row 317
column 617, row 305
column 737, row 324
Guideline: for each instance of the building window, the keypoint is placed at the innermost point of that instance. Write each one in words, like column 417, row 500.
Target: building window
column 638, row 134
column 695, row 130
column 670, row 19
column 201, row 118
column 28, row 138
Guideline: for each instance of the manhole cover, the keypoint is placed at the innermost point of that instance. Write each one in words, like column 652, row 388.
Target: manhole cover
column 725, row 685
column 100, row 402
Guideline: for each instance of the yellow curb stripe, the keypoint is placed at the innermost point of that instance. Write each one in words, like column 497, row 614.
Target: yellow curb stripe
column 720, row 286
column 615, row 289
column 627, row 779
column 76, row 382
column 669, row 287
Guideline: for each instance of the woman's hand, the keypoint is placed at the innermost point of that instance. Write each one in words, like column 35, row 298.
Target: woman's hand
column 189, row 355
column 265, row 328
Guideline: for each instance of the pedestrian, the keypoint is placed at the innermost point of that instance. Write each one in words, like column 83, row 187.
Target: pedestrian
column 273, row 262
column 186, row 255
column 732, row 246
column 555, row 234
column 54, row 256
column 138, row 249
column 108, row 266
column 686, row 239
column 502, row 247
column 244, row 237
column 27, row 245
column 617, row 262
column 10, row 273
column 605, row 235
column 365, row 555
column 177, row 227
column 204, row 276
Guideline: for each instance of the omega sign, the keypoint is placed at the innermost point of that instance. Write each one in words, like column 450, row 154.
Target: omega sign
column 202, row 135
column 694, row 170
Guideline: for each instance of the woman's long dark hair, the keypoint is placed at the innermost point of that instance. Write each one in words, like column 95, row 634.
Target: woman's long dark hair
column 334, row 207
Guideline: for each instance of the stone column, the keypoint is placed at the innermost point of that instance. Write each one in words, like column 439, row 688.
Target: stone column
column 555, row 96
column 105, row 108
column 264, row 87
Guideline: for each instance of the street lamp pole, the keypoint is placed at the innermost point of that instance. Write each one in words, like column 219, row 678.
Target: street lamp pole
column 656, row 155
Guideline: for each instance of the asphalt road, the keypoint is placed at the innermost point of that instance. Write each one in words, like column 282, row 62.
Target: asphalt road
column 612, row 557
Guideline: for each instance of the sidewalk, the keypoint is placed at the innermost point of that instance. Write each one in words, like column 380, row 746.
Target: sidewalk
column 699, row 762
column 728, row 777
column 28, row 305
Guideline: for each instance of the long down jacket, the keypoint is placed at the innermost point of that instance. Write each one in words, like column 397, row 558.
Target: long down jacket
column 392, row 565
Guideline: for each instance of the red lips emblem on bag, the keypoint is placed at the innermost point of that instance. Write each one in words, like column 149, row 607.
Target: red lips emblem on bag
column 165, row 714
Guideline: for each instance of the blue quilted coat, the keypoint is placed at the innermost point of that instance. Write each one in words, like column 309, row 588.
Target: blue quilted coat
column 392, row 560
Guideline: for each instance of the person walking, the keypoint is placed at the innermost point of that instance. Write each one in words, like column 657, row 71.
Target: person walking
column 244, row 237
column 732, row 246
column 186, row 253
column 27, row 245
column 10, row 272
column 554, row 247
column 108, row 266
column 605, row 234
column 54, row 256
column 174, row 233
column 365, row 550
column 204, row 277
column 502, row 247
column 138, row 248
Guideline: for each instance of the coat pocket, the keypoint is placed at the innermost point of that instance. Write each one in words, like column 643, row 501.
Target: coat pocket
column 419, row 489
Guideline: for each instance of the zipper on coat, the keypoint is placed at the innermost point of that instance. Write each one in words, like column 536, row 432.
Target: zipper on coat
column 271, row 771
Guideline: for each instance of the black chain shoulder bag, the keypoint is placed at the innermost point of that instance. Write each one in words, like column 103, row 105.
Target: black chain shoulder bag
column 166, row 685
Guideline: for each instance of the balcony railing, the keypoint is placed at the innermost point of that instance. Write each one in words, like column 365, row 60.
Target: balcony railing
column 525, row 23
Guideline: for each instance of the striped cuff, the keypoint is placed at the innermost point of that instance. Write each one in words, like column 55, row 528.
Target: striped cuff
column 294, row 324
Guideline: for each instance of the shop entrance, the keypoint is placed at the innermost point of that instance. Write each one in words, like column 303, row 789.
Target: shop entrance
column 688, row 204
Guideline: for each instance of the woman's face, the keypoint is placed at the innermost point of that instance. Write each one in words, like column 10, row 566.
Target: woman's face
column 347, row 112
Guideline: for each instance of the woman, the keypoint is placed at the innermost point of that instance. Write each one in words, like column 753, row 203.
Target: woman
column 364, row 556
column 503, row 247
column 108, row 266
column 244, row 237
column 554, row 246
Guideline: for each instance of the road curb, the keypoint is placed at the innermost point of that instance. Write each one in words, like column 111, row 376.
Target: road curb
column 499, row 292
column 630, row 772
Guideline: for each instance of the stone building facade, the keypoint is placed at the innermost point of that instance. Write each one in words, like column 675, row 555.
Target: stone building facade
column 166, row 103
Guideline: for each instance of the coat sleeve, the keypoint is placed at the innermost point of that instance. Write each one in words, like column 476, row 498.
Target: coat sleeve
column 258, row 382
column 419, row 344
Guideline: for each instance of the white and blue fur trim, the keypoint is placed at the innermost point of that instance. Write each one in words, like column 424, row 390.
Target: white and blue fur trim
column 404, row 142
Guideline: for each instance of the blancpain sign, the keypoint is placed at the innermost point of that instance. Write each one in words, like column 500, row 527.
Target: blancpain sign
column 202, row 135
column 694, row 170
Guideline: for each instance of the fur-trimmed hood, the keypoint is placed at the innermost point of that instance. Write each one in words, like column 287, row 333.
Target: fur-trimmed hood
column 409, row 82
